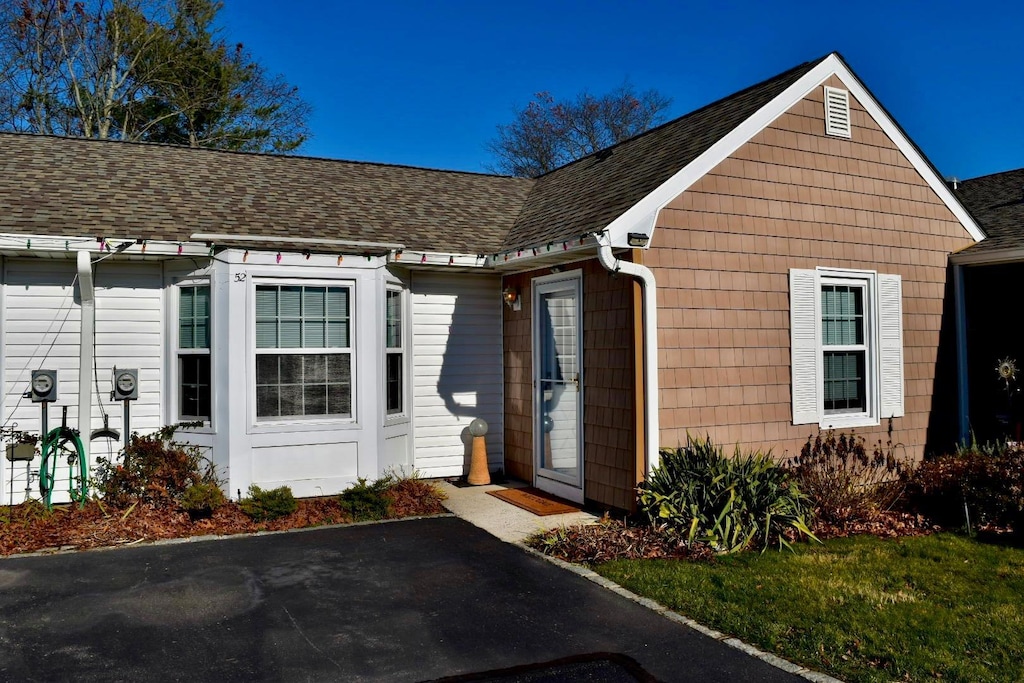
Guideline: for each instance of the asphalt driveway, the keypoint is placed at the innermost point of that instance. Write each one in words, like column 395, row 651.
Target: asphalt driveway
column 404, row 601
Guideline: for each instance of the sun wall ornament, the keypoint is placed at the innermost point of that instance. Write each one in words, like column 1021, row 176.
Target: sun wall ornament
column 1007, row 370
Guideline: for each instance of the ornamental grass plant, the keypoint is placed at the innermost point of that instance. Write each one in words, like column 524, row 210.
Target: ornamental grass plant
column 730, row 503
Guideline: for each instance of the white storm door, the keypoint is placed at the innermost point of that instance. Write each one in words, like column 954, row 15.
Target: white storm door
column 557, row 382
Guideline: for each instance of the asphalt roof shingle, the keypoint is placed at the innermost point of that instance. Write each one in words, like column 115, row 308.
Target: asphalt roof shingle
column 67, row 186
column 997, row 202
column 588, row 194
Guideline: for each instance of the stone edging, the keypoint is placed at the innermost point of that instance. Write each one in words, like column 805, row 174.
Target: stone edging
column 766, row 657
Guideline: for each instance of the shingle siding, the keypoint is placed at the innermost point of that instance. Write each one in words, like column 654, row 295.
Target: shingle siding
column 793, row 198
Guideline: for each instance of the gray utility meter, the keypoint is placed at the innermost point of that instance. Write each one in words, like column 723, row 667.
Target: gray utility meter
column 126, row 385
column 44, row 386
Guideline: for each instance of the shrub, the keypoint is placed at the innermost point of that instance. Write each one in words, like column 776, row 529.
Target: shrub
column 986, row 481
column 409, row 495
column 266, row 505
column 845, row 482
column 200, row 500
column 365, row 501
column 153, row 469
column 729, row 503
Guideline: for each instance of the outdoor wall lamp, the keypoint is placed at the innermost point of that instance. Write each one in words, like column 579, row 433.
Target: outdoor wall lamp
column 510, row 295
column 637, row 239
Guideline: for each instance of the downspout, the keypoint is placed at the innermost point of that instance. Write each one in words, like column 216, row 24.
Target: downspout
column 962, row 395
column 87, row 341
column 650, row 331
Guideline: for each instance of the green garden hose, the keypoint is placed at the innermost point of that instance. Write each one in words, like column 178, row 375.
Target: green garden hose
column 64, row 441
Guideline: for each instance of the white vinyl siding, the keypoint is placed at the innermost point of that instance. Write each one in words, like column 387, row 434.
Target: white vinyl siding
column 823, row 382
column 42, row 319
column 457, row 368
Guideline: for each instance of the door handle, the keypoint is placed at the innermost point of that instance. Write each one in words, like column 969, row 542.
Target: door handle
column 576, row 381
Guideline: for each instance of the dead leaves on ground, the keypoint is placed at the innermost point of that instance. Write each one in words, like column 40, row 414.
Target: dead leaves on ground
column 30, row 527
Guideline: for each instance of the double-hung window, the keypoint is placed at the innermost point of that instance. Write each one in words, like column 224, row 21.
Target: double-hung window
column 395, row 352
column 194, row 352
column 844, row 346
column 303, row 351
column 847, row 347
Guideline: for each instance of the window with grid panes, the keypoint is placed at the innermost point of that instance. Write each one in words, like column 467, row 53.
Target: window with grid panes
column 303, row 351
column 844, row 349
column 194, row 352
column 395, row 352
column 846, row 345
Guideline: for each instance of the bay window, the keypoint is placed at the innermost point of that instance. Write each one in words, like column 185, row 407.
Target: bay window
column 394, row 350
column 303, row 351
column 194, row 352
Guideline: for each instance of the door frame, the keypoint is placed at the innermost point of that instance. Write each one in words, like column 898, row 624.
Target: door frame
column 552, row 482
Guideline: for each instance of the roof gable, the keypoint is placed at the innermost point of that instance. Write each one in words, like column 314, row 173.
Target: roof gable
column 623, row 192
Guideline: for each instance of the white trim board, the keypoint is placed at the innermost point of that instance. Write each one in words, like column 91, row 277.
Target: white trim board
column 642, row 216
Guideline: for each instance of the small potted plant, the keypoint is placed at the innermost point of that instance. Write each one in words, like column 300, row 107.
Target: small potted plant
column 23, row 448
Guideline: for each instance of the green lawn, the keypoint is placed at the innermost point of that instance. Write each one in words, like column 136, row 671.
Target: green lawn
column 862, row 609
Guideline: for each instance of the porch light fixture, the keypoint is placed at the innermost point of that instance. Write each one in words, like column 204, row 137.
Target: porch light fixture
column 510, row 295
column 638, row 239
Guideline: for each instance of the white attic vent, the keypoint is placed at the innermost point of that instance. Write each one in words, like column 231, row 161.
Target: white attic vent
column 837, row 112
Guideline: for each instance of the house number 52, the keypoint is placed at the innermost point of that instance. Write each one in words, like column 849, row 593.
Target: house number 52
column 239, row 277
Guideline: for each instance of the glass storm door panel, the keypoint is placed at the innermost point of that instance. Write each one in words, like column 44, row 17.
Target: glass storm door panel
column 558, row 401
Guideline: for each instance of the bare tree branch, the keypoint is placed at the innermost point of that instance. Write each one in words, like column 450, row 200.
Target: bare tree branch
column 547, row 134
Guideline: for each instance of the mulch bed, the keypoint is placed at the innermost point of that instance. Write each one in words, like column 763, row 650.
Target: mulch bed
column 619, row 540
column 31, row 528
column 891, row 524
column 615, row 540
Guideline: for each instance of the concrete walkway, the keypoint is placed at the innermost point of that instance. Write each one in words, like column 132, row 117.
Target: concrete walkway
column 501, row 519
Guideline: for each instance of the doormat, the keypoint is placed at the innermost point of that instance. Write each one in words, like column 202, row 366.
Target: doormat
column 535, row 501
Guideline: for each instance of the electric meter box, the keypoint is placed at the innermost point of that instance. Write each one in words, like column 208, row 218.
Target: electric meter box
column 126, row 384
column 44, row 386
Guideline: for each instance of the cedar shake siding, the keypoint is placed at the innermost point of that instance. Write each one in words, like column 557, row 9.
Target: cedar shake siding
column 609, row 413
column 793, row 198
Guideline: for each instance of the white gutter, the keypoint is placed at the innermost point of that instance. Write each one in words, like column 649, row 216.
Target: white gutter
column 650, row 327
column 224, row 237
column 87, row 341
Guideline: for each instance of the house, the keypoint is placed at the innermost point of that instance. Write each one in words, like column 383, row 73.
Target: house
column 988, row 327
column 770, row 264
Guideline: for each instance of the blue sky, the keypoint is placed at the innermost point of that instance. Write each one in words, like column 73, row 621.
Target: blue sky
column 425, row 83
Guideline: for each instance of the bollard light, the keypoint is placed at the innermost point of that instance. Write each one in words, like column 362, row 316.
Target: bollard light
column 478, row 427
column 478, row 471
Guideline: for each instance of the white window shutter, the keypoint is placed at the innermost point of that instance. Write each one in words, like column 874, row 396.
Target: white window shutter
column 804, row 304
column 890, row 345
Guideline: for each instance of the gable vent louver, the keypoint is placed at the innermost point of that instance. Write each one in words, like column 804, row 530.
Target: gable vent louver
column 837, row 112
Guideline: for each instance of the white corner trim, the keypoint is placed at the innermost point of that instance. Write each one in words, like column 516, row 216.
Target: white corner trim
column 642, row 216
